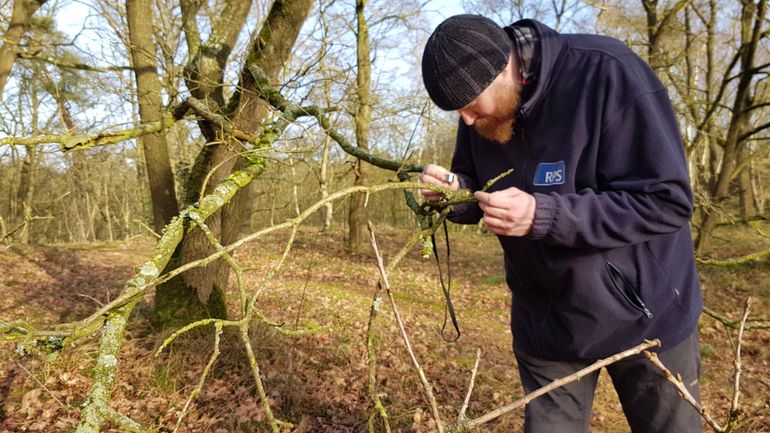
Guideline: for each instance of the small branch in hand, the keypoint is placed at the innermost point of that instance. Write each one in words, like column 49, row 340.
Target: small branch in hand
column 495, row 179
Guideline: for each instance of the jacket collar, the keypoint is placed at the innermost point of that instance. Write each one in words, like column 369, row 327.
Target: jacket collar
column 550, row 47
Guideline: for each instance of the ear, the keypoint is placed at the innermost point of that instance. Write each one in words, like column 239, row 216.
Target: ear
column 511, row 68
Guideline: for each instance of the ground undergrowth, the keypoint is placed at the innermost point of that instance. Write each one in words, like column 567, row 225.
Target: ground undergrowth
column 319, row 381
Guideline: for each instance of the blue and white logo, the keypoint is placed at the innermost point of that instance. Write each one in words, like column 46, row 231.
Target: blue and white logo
column 550, row 173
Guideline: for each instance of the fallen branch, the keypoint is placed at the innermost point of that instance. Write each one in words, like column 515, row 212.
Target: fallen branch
column 556, row 384
column 683, row 392
column 4, row 236
column 734, row 414
column 426, row 386
column 738, row 261
column 735, row 325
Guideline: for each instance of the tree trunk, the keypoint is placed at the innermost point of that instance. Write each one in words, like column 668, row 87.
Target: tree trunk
column 746, row 197
column 328, row 208
column 357, row 212
column 22, row 12
column 25, row 192
column 148, row 93
column 200, row 291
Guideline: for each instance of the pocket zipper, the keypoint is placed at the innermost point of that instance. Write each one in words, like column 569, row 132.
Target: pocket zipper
column 625, row 289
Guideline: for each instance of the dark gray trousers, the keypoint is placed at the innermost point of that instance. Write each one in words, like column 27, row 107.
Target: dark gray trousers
column 651, row 403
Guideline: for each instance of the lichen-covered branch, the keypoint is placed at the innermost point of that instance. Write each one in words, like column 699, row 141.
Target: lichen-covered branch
column 96, row 409
column 84, row 141
column 755, row 323
column 737, row 261
column 272, row 96
column 71, row 65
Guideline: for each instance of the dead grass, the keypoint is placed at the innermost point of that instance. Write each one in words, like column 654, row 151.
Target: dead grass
column 319, row 381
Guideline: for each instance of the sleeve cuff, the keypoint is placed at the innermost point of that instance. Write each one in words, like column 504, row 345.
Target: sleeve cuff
column 545, row 210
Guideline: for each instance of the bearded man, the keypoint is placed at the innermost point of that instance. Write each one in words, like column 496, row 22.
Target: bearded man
column 594, row 219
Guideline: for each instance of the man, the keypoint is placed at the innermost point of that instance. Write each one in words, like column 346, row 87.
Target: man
column 593, row 220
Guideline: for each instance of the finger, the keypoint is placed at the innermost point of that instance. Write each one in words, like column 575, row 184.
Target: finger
column 436, row 171
column 426, row 178
column 494, row 225
column 505, row 199
column 494, row 212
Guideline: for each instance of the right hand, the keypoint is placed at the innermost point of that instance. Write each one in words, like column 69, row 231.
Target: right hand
column 437, row 175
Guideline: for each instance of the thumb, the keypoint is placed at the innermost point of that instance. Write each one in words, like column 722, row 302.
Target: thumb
column 481, row 196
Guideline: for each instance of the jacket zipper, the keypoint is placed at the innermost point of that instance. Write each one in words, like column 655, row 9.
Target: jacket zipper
column 625, row 289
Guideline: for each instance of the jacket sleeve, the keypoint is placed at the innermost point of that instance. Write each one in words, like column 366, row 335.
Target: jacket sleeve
column 643, row 185
column 464, row 167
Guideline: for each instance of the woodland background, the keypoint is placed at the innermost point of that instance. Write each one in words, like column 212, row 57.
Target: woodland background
column 252, row 120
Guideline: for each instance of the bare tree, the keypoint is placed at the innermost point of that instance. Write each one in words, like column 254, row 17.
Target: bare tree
column 148, row 94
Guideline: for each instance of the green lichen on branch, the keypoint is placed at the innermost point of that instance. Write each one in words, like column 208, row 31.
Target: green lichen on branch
column 96, row 409
column 72, row 142
column 738, row 261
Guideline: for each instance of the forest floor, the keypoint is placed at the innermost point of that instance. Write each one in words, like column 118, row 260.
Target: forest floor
column 319, row 381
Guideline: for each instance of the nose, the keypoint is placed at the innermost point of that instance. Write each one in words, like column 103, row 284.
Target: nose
column 468, row 117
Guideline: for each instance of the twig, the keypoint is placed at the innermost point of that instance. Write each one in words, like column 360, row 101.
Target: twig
column 735, row 325
column 254, row 366
column 23, row 224
column 423, row 379
column 733, row 415
column 371, row 354
column 42, row 385
column 204, row 375
column 496, row 178
column 147, row 228
column 461, row 416
column 559, row 383
column 683, row 392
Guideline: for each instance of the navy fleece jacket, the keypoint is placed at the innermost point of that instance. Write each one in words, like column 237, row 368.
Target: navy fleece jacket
column 609, row 260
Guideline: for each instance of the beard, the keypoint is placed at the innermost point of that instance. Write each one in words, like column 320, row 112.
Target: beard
column 499, row 126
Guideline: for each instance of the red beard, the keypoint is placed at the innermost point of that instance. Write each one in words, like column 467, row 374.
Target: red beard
column 499, row 126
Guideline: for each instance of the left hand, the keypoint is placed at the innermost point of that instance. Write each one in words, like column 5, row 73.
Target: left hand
column 509, row 212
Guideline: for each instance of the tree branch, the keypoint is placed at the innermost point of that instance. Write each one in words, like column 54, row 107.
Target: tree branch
column 556, row 384
column 426, row 386
column 461, row 417
column 70, row 65
column 683, row 392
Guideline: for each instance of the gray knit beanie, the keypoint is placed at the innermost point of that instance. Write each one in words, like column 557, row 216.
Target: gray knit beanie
column 462, row 57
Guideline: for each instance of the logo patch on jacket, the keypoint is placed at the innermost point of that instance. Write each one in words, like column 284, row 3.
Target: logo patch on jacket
column 550, row 173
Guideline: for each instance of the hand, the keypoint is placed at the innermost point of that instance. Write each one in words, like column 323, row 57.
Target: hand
column 436, row 175
column 509, row 212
